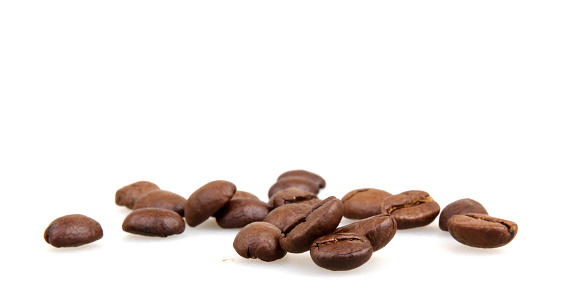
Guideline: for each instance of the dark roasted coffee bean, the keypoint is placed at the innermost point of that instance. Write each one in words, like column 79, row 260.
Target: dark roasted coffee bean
column 322, row 219
column 259, row 240
column 207, row 200
column 378, row 229
column 127, row 195
column 243, row 195
column 459, row 207
column 161, row 199
column 482, row 231
column 293, row 181
column 363, row 203
column 410, row 209
column 291, row 195
column 72, row 230
column 240, row 212
column 341, row 252
column 285, row 215
column 157, row 222
column 304, row 173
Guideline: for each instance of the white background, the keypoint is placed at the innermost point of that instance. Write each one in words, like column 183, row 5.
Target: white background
column 459, row 99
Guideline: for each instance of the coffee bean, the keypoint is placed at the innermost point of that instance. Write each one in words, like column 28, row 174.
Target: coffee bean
column 341, row 252
column 291, row 195
column 259, row 240
column 285, row 215
column 378, row 229
column 207, row 200
column 459, row 207
column 72, row 231
column 321, row 183
column 127, row 195
column 322, row 219
column 482, row 231
column 243, row 195
column 161, row 199
column 151, row 221
column 240, row 212
column 293, row 181
column 410, row 209
column 363, row 203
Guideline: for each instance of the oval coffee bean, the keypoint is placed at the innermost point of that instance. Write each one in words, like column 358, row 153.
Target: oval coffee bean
column 157, row 222
column 259, row 240
column 161, row 199
column 293, row 181
column 322, row 219
column 240, row 212
column 482, row 231
column 127, row 195
column 207, row 200
column 363, row 203
column 72, row 231
column 285, row 215
column 341, row 252
column 410, row 209
column 459, row 207
column 378, row 229
column 291, row 195
column 307, row 174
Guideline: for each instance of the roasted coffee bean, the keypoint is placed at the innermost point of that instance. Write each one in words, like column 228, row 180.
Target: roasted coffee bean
column 127, row 195
column 161, row 199
column 378, row 229
column 285, row 215
column 304, row 173
column 410, row 209
column 293, row 181
column 482, row 231
column 243, row 195
column 291, row 195
column 341, row 252
column 207, row 200
column 240, row 212
column 72, row 231
column 363, row 203
column 157, row 222
column 259, row 240
column 459, row 207
column 322, row 219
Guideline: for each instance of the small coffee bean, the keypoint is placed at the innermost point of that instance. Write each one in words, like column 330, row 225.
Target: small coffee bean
column 304, row 173
column 207, row 200
column 291, row 195
column 243, row 195
column 285, row 215
column 293, row 181
column 322, row 219
column 152, row 221
column 482, row 231
column 127, row 195
column 378, row 229
column 72, row 231
column 459, row 207
column 341, row 252
column 161, row 199
column 410, row 209
column 363, row 203
column 240, row 212
column 259, row 240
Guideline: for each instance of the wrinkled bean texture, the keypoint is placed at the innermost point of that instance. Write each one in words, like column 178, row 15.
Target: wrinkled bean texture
column 156, row 222
column 127, row 195
column 321, row 183
column 482, row 231
column 207, row 200
column 459, row 207
column 72, row 231
column 240, row 212
column 341, row 252
column 411, row 209
column 161, row 199
column 259, row 240
column 363, row 203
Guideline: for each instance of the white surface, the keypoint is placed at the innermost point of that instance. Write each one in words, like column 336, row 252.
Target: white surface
column 459, row 100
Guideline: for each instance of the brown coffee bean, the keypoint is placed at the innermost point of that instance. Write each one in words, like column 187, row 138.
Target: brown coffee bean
column 161, row 199
column 321, row 183
column 410, row 209
column 378, row 229
column 243, row 195
column 241, row 212
column 72, row 231
column 259, row 240
column 341, row 252
column 127, row 195
column 285, row 215
column 363, row 203
column 293, row 181
column 152, row 221
column 459, row 207
column 290, row 195
column 482, row 231
column 207, row 200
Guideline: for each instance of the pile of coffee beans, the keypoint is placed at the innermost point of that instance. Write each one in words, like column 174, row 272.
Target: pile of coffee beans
column 294, row 220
